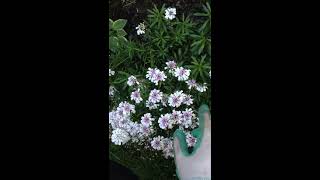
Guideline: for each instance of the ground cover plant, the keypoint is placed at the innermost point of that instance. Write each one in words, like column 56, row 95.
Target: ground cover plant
column 159, row 75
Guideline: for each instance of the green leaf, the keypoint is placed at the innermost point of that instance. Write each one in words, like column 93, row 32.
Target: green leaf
column 195, row 43
column 201, row 48
column 110, row 23
column 204, row 25
column 200, row 14
column 121, row 32
column 119, row 24
column 123, row 39
column 113, row 42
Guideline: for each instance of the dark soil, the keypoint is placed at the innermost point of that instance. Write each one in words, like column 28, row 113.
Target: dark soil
column 136, row 12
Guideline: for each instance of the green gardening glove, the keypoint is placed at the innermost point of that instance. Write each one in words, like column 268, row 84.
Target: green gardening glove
column 195, row 165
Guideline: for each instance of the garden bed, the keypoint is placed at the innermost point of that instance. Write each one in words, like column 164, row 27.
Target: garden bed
column 160, row 71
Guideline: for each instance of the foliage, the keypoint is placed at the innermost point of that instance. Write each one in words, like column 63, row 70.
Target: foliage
column 116, row 33
column 186, row 40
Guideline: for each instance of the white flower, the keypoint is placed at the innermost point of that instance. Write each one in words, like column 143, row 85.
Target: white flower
column 151, row 72
column 155, row 75
column 187, row 100
column 201, row 88
column 191, row 141
column 140, row 29
column 159, row 76
column 151, row 105
column 112, row 89
column 156, row 143
column 191, row 83
column 145, row 130
column 195, row 122
column 132, row 80
column 127, row 108
column 155, row 96
column 119, row 136
column 146, row 119
column 186, row 118
column 168, row 148
column 210, row 74
column 135, row 96
column 113, row 120
column 170, row 65
column 182, row 74
column 165, row 121
column 176, row 99
column 167, row 143
column 134, row 128
column 176, row 116
column 170, row 13
column 169, row 152
column 124, row 123
column 111, row 73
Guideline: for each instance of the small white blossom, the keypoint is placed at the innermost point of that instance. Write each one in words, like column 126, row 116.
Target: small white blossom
column 155, row 96
column 182, row 74
column 201, row 88
column 140, row 29
column 191, row 141
column 187, row 100
column 112, row 89
column 191, row 83
column 111, row 73
column 146, row 119
column 126, row 107
column 135, row 96
column 176, row 116
column 186, row 118
column 165, row 121
column 170, row 13
column 151, row 73
column 134, row 129
column 132, row 80
column 169, row 152
column 171, row 65
column 146, row 130
column 168, row 148
column 210, row 74
column 119, row 136
column 156, row 143
column 176, row 99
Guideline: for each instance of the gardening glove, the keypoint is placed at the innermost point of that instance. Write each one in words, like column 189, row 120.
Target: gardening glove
column 197, row 164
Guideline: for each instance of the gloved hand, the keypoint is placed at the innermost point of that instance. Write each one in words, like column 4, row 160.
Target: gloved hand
column 195, row 165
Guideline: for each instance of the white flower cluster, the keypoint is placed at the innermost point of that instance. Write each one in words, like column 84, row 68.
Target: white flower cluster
column 125, row 130
column 135, row 96
column 163, row 144
column 181, row 118
column 210, row 74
